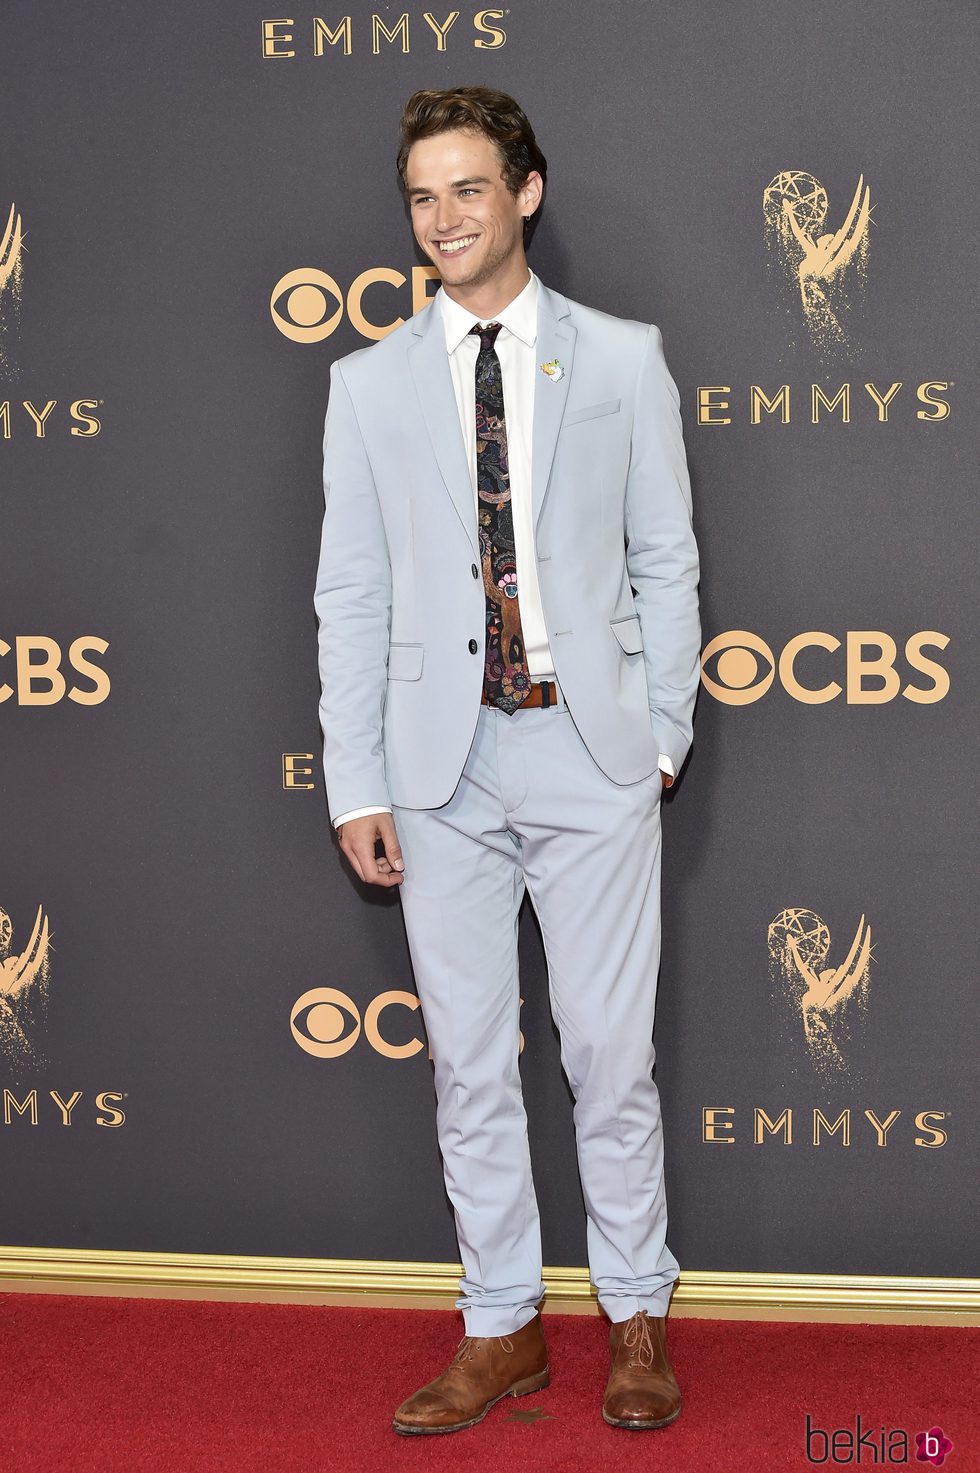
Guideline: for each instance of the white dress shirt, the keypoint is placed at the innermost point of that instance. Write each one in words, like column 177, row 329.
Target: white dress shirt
column 518, row 371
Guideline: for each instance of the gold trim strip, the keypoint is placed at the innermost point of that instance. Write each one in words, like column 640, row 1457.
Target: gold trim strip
column 703, row 1293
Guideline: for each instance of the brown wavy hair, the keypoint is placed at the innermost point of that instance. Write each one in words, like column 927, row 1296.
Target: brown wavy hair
column 477, row 110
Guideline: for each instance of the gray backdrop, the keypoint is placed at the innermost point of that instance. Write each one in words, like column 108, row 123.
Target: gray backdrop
column 168, row 176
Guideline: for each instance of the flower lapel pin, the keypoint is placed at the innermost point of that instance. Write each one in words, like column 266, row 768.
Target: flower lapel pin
column 554, row 370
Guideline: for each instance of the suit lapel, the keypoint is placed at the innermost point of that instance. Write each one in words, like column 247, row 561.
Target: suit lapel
column 556, row 339
column 429, row 363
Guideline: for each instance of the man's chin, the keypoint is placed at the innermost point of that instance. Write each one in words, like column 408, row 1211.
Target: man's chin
column 457, row 273
column 468, row 274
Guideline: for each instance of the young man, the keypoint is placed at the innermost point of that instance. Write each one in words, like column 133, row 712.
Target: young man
column 509, row 636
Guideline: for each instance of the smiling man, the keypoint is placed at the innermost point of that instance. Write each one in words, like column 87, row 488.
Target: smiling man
column 509, row 635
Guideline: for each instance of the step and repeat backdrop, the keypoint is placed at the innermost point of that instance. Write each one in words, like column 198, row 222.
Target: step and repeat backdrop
column 209, row 1035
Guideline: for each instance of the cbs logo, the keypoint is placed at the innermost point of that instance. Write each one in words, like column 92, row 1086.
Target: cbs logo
column 39, row 681
column 745, row 667
column 321, row 1023
column 327, row 1023
column 307, row 305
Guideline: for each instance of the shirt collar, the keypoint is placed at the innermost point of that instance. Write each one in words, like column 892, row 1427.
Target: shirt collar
column 520, row 316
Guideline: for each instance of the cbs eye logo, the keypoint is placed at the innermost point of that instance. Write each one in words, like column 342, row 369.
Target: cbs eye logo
column 327, row 1023
column 307, row 305
column 744, row 667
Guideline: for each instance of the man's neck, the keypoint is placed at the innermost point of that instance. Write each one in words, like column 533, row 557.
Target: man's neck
column 488, row 298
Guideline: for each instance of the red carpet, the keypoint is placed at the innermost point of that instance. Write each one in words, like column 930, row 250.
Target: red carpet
column 154, row 1386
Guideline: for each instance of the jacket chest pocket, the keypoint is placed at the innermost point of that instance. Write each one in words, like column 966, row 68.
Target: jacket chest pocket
column 591, row 411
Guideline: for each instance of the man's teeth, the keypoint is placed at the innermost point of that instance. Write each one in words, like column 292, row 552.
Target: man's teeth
column 448, row 246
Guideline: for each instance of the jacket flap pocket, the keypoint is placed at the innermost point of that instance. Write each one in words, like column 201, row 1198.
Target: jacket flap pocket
column 627, row 631
column 405, row 661
column 591, row 411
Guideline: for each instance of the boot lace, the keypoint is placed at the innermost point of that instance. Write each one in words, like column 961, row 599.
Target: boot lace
column 637, row 1337
column 470, row 1343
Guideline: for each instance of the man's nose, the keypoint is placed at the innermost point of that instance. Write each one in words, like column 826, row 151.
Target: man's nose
column 447, row 217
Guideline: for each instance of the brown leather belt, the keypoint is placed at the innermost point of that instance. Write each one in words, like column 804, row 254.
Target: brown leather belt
column 543, row 693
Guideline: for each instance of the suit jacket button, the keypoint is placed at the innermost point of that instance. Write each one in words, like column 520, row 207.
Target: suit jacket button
column 473, row 646
column 475, row 570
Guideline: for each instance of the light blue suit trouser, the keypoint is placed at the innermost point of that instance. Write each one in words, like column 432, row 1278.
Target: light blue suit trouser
column 533, row 809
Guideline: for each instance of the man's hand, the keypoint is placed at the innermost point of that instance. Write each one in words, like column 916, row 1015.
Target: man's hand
column 358, row 837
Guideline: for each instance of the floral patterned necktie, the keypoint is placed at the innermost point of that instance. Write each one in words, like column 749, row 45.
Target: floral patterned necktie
column 506, row 680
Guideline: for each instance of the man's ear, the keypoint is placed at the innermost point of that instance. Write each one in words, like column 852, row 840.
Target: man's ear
column 530, row 193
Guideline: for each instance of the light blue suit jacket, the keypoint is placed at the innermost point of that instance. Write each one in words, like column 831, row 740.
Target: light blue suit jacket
column 398, row 604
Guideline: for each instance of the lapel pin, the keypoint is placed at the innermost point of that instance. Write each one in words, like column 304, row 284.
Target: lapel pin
column 554, row 370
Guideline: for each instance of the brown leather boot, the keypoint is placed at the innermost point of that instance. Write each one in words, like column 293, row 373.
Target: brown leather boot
column 641, row 1390
column 484, row 1368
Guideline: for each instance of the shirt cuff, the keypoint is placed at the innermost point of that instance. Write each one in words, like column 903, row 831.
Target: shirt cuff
column 357, row 813
column 665, row 765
